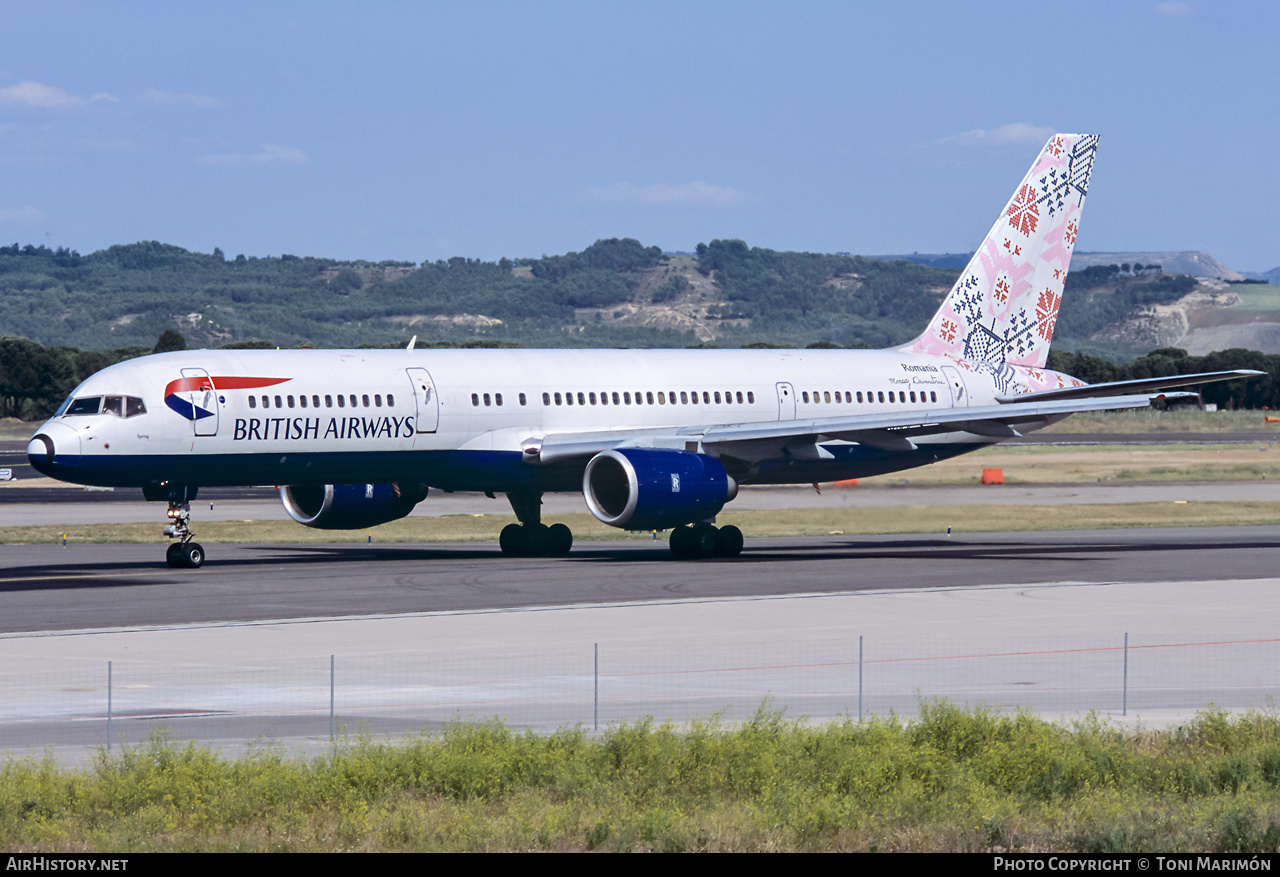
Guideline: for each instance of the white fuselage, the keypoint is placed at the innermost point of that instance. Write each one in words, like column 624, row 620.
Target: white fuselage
column 459, row 419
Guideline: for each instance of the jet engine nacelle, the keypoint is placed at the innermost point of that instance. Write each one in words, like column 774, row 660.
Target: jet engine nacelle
column 642, row 489
column 350, row 506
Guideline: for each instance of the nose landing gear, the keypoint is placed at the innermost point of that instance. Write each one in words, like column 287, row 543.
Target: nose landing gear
column 184, row 553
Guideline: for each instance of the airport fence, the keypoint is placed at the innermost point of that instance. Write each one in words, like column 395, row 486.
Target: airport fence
column 596, row 685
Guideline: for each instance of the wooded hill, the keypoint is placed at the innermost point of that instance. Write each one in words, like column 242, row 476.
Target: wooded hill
column 64, row 316
column 615, row 293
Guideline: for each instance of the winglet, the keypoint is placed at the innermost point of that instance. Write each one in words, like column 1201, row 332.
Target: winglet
column 1004, row 306
column 412, row 341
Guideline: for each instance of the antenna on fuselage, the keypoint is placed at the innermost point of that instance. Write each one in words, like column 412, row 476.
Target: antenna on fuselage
column 412, row 341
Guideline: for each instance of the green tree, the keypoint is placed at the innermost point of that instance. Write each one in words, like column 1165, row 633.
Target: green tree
column 170, row 339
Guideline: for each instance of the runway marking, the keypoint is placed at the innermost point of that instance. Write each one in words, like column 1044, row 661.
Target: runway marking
column 87, row 575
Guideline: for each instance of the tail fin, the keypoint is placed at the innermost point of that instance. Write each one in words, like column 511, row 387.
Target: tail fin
column 1004, row 306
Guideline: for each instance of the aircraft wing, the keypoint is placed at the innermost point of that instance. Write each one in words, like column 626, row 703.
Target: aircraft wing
column 1141, row 385
column 887, row 430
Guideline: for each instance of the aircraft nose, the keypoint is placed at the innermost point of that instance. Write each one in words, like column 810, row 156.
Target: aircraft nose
column 40, row 452
column 49, row 444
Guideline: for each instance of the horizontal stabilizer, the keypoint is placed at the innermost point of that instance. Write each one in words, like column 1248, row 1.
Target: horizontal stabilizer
column 1121, row 388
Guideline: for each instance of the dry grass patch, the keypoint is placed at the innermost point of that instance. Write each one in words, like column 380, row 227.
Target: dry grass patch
column 1067, row 464
column 849, row 521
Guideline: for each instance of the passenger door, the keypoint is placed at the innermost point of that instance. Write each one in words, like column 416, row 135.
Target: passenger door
column 204, row 400
column 427, row 400
column 786, row 401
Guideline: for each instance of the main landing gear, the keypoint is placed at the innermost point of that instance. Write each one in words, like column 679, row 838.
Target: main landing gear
column 705, row 540
column 185, row 553
column 531, row 537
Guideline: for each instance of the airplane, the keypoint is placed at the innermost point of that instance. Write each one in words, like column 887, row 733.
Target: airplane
column 654, row 439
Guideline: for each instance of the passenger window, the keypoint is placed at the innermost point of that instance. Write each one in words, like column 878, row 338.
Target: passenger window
column 342, row 401
column 302, row 400
column 626, row 397
column 717, row 397
column 497, row 398
column 391, row 401
column 328, row 401
column 475, row 400
column 740, row 397
column 253, row 401
column 684, row 398
column 546, row 399
column 662, row 399
column 826, row 395
column 568, row 398
column 266, row 401
column 751, row 398
column 582, row 399
column 933, row 396
column 859, row 396
column 289, row 399
column 315, row 401
column 913, row 395
column 593, row 398
column 880, row 394
column 279, row 404
column 648, row 398
column 487, row 400
column 523, row 400
column 804, row 395
column 365, row 398
column 377, row 400
column 557, row 398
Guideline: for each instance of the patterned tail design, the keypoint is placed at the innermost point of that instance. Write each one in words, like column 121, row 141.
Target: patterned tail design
column 1003, row 308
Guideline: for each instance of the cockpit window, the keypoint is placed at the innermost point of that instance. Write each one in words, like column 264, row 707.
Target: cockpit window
column 84, row 405
column 120, row 406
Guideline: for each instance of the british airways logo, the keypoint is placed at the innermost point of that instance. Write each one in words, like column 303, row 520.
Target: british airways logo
column 195, row 397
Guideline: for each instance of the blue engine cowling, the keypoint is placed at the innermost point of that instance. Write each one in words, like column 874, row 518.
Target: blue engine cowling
column 641, row 489
column 350, row 506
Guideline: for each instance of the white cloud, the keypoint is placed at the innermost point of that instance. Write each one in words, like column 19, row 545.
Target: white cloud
column 270, row 153
column 1173, row 9
column 695, row 194
column 157, row 98
column 1014, row 132
column 37, row 94
column 22, row 215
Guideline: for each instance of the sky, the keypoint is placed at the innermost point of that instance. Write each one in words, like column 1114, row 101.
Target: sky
column 421, row 130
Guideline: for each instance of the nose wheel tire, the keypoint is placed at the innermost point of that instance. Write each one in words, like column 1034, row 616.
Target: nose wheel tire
column 185, row 556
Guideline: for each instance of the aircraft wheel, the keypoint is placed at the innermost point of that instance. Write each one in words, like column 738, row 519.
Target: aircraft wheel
column 729, row 541
column 511, row 540
column 174, row 555
column 703, row 540
column 682, row 543
column 559, row 540
column 192, row 555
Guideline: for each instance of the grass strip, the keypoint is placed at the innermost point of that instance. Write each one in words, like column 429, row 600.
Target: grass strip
column 848, row 521
column 949, row 780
